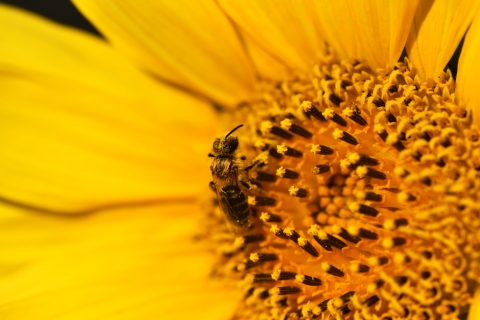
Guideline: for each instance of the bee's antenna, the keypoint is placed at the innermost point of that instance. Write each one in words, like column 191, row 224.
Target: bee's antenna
column 233, row 130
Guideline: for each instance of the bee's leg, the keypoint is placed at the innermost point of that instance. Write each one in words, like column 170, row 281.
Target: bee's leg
column 211, row 155
column 249, row 185
column 212, row 186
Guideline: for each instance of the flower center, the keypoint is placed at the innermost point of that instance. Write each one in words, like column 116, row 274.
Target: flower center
column 364, row 192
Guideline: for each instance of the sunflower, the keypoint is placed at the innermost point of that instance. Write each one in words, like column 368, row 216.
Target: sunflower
column 363, row 175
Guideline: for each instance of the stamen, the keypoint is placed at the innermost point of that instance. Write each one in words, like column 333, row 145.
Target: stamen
column 359, row 268
column 311, row 110
column 364, row 171
column 320, row 168
column 364, row 209
column 263, row 257
column 287, row 151
column 319, row 149
column 329, row 114
column 354, row 113
column 267, row 127
column 261, row 201
column 302, row 242
column 270, row 217
column 287, row 173
column 297, row 192
column 335, row 99
column 282, row 275
column 264, row 176
column 285, row 290
column 308, row 280
column 371, row 301
column 345, row 136
column 287, row 124
column 330, row 269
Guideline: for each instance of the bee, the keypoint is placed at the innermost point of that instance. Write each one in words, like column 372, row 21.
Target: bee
column 225, row 173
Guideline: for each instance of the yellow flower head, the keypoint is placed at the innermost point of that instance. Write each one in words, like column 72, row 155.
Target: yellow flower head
column 361, row 172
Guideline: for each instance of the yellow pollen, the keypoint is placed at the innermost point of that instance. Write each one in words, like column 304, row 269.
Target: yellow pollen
column 293, row 190
column 379, row 220
column 282, row 148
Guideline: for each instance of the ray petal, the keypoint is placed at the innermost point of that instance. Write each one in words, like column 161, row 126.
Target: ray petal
column 285, row 29
column 382, row 28
column 191, row 44
column 468, row 71
column 137, row 263
column 81, row 128
column 438, row 27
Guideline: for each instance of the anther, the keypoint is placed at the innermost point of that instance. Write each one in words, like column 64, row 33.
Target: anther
column 345, row 235
column 382, row 133
column 371, row 301
column 287, row 173
column 363, row 209
column 344, row 136
column 267, row 127
column 323, row 305
column 426, row 181
column 400, row 280
column 367, row 234
column 258, row 277
column 344, row 298
column 354, row 113
column 393, row 140
column 320, row 168
column 311, row 110
column 329, row 114
column 332, row 270
column 395, row 224
column 359, row 268
column 277, row 231
column 298, row 192
column 327, row 241
column 282, row 275
column 308, row 280
column 261, row 201
column 372, row 196
column 320, row 149
column 270, row 217
column 264, row 294
column 334, row 99
column 390, row 243
column 247, row 239
column 274, row 154
column 379, row 102
column 287, row 124
column 405, row 197
column 287, row 151
column 300, row 241
column 377, row 261
column 248, row 264
column 364, row 171
column 401, row 172
column 391, row 118
column 364, row 160
column 263, row 257
column 264, row 176
column 374, row 286
column 285, row 290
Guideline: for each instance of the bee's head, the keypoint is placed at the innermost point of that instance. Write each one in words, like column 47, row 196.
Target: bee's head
column 227, row 144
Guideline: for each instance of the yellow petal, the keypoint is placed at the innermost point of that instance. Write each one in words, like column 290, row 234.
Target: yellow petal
column 137, row 263
column 469, row 71
column 438, row 27
column 81, row 128
column 381, row 28
column 285, row 29
column 191, row 45
column 474, row 311
column 337, row 27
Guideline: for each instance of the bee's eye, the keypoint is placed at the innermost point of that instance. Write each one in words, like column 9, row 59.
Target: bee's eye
column 232, row 145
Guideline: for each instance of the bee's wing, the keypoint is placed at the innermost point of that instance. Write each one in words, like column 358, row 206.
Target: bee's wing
column 228, row 211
